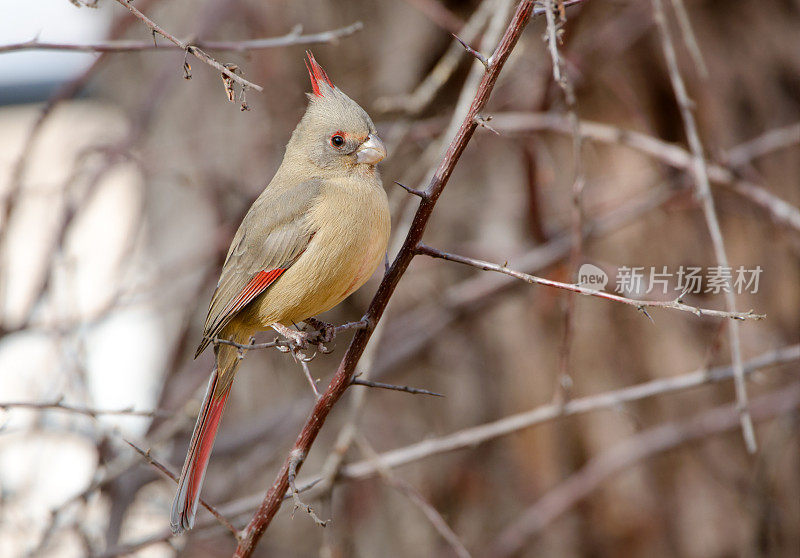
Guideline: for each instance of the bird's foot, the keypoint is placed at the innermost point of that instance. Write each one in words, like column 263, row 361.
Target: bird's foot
column 324, row 333
column 298, row 339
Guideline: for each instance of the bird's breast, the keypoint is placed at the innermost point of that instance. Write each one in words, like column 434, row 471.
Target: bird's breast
column 351, row 232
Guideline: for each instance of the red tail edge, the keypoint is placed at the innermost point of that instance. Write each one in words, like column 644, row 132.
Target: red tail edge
column 184, row 507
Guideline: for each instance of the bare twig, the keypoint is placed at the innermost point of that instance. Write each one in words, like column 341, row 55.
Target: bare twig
column 59, row 405
column 769, row 141
column 424, row 93
column 295, row 460
column 689, row 37
column 703, row 188
column 294, row 37
column 640, row 305
column 191, row 49
column 406, row 389
column 470, row 437
column 476, row 435
column 420, row 327
column 343, row 376
column 553, row 37
column 416, row 498
column 172, row 476
column 631, row 451
column 670, row 154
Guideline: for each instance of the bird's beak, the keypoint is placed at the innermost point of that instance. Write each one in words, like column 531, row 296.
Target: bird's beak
column 372, row 151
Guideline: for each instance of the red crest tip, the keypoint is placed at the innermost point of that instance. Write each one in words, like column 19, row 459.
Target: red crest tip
column 317, row 74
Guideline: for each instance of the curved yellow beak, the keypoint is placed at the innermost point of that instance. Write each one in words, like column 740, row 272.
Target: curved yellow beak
column 372, row 151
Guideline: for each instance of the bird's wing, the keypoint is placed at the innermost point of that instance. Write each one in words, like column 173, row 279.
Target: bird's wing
column 272, row 236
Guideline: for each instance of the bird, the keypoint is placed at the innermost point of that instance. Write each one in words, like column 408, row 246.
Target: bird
column 314, row 235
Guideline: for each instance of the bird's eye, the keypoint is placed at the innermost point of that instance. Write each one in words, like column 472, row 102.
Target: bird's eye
column 337, row 140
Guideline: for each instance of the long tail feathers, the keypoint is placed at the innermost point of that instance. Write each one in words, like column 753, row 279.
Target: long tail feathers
column 184, row 507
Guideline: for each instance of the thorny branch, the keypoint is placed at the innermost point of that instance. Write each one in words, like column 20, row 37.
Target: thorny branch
column 190, row 48
column 295, row 460
column 294, row 37
column 382, row 385
column 342, row 378
column 425, row 92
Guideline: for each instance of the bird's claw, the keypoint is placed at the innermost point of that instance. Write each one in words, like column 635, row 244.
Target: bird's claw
column 298, row 340
column 321, row 334
column 324, row 333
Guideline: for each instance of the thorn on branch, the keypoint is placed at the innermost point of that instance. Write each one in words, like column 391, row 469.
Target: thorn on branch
column 187, row 68
column 363, row 323
column 406, row 389
column 644, row 311
column 480, row 57
column 297, row 458
column 421, row 193
column 227, row 81
column 483, row 122
column 310, row 378
column 243, row 106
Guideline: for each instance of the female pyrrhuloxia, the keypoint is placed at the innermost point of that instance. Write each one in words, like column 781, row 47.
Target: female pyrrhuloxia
column 313, row 236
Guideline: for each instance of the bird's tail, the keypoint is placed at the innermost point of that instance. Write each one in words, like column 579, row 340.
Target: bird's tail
column 184, row 507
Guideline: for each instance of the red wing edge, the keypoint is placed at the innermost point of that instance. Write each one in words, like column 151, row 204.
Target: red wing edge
column 257, row 285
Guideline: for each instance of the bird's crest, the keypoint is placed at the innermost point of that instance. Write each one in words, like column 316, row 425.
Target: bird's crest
column 317, row 75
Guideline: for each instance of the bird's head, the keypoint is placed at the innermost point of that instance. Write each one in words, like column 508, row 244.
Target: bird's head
column 335, row 132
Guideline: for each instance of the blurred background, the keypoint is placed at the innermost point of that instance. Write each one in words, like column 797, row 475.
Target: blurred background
column 122, row 184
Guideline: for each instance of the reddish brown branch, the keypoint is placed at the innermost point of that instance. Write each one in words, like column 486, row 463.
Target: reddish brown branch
column 342, row 379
